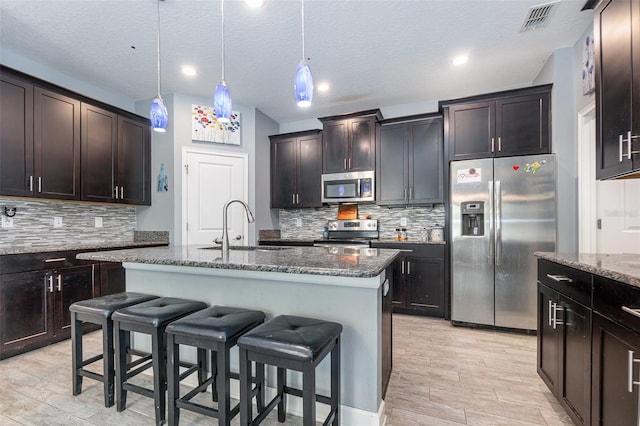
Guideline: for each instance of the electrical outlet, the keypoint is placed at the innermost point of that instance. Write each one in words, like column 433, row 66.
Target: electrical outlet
column 403, row 221
column 7, row 222
column 298, row 222
column 57, row 222
column 98, row 222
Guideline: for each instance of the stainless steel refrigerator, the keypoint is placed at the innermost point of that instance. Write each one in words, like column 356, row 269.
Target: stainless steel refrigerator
column 502, row 210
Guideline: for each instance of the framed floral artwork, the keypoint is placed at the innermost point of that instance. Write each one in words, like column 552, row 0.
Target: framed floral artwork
column 205, row 127
column 588, row 66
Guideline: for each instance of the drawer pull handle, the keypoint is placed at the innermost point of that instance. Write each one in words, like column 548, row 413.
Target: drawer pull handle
column 559, row 278
column 631, row 382
column 57, row 259
column 634, row 312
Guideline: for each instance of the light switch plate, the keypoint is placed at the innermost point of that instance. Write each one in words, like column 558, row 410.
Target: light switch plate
column 403, row 221
column 298, row 222
column 98, row 222
column 57, row 222
column 7, row 222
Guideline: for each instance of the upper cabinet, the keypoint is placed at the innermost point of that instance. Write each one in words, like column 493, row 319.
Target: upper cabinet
column 349, row 142
column 499, row 125
column 617, row 68
column 39, row 141
column 56, row 144
column 296, row 161
column 409, row 161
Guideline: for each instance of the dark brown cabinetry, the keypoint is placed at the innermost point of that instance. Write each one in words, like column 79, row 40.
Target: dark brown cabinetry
column 116, row 157
column 349, row 142
column 296, row 161
column 112, row 278
column 617, row 72
column 418, row 278
column 499, row 125
column 40, row 141
column 409, row 161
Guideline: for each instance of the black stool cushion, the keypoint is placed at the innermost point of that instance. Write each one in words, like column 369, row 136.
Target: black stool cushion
column 292, row 337
column 158, row 312
column 218, row 323
column 106, row 305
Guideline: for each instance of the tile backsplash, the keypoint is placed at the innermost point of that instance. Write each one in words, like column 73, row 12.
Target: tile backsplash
column 314, row 220
column 33, row 223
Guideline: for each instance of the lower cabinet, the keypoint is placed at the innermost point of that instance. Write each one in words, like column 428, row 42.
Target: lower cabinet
column 112, row 278
column 418, row 278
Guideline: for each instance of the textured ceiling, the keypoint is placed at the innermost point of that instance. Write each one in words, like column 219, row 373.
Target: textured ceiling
column 372, row 52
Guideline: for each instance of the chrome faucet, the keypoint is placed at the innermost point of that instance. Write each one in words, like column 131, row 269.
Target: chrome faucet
column 225, row 234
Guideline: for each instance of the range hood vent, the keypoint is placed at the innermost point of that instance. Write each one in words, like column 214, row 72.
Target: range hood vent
column 538, row 16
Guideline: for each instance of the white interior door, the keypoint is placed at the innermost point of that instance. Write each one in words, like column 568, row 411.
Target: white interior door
column 619, row 216
column 212, row 180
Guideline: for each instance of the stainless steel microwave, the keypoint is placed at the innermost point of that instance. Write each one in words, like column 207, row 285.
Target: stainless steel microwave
column 348, row 187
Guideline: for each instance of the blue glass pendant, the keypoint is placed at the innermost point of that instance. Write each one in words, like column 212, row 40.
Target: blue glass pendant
column 159, row 115
column 222, row 103
column 303, row 85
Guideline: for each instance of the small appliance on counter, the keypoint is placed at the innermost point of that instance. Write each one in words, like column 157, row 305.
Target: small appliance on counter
column 355, row 233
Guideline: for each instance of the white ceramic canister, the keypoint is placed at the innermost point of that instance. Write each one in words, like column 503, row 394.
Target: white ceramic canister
column 437, row 233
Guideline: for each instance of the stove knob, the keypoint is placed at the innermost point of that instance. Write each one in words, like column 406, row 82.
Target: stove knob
column 333, row 226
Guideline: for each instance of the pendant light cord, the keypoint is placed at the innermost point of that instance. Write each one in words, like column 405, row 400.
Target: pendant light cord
column 159, row 96
column 222, row 29
column 303, row 57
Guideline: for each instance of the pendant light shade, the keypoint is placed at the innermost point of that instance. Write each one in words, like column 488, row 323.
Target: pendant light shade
column 303, row 82
column 158, row 111
column 222, row 97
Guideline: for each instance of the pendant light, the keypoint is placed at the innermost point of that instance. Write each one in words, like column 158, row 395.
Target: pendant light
column 303, row 83
column 222, row 97
column 158, row 112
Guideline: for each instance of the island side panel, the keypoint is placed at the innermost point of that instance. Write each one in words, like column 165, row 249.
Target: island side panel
column 357, row 308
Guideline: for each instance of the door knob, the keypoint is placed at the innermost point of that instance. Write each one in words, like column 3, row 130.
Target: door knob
column 238, row 237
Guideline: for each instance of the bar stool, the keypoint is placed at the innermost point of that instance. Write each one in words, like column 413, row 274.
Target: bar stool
column 98, row 311
column 292, row 343
column 151, row 318
column 216, row 329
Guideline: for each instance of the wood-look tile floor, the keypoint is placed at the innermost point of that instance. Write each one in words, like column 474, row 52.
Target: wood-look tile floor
column 442, row 375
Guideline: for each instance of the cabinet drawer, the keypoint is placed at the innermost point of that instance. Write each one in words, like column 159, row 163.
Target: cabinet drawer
column 13, row 263
column 570, row 282
column 609, row 298
column 419, row 250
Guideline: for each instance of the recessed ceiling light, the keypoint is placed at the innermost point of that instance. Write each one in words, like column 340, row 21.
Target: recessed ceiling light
column 188, row 70
column 460, row 59
column 254, row 3
column 323, row 87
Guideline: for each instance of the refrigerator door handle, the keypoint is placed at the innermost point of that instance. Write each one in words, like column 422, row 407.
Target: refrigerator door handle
column 498, row 222
column 490, row 216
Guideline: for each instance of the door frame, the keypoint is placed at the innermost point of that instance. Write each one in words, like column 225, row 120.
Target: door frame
column 587, row 202
column 185, row 189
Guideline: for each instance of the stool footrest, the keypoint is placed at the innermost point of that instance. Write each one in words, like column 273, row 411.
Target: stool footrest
column 132, row 373
column 91, row 360
column 267, row 409
column 138, row 389
column 297, row 392
column 90, row 374
column 198, row 390
column 330, row 418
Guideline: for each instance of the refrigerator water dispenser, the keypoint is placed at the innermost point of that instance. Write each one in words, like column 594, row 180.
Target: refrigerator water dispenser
column 472, row 218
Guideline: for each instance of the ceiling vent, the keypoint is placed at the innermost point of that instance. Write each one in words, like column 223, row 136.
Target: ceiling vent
column 538, row 16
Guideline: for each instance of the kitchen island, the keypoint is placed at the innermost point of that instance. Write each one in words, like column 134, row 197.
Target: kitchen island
column 349, row 286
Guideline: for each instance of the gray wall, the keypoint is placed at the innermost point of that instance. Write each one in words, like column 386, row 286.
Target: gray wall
column 266, row 218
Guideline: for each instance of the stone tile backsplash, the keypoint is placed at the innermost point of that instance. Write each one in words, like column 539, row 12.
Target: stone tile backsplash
column 33, row 223
column 314, row 220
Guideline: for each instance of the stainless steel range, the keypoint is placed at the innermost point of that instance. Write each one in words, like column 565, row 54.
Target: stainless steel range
column 350, row 233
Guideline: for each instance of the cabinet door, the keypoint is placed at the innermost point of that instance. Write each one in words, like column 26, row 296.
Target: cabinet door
column 392, row 165
column 134, row 161
column 335, row 146
column 575, row 389
column 362, row 139
column 613, row 31
column 548, row 339
column 425, row 285
column 56, row 145
column 309, row 171
column 283, row 173
column 72, row 285
column 612, row 403
column 399, row 296
column 99, row 151
column 425, row 162
column 112, row 278
column 26, row 312
column 471, row 130
column 16, row 137
column 522, row 125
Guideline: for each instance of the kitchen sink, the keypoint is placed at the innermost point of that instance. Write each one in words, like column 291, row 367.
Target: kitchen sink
column 248, row 248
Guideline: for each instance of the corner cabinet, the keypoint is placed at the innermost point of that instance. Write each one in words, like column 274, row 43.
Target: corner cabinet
column 501, row 124
column 349, row 141
column 296, row 168
column 409, row 161
column 617, row 72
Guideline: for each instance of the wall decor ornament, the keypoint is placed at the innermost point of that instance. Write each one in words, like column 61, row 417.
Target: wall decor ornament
column 206, row 127
column 588, row 66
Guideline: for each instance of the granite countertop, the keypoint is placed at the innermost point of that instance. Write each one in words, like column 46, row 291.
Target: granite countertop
column 286, row 240
column 42, row 248
column 336, row 261
column 387, row 241
column 311, row 240
column 619, row 267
